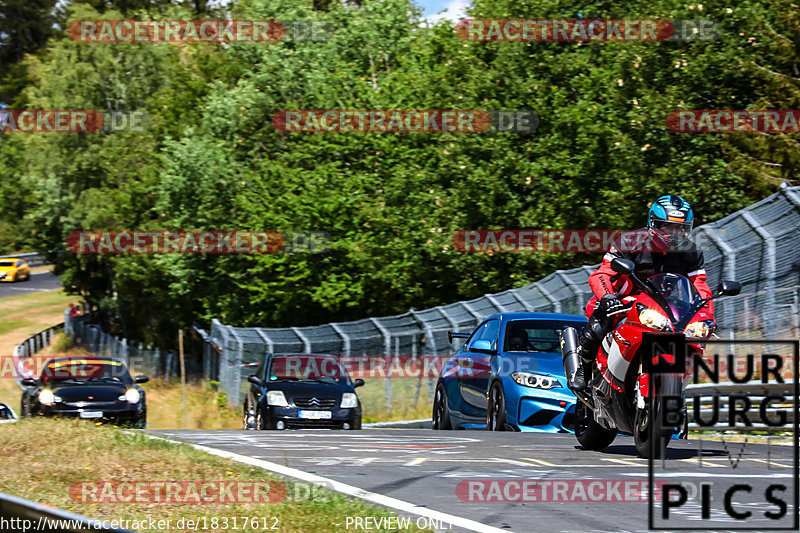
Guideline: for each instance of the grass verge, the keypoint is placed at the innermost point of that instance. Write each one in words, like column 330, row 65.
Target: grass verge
column 44, row 457
column 22, row 316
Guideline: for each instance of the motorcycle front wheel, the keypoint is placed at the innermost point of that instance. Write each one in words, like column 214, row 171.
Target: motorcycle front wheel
column 645, row 429
column 589, row 433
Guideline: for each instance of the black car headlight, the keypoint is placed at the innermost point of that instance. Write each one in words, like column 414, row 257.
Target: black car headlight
column 46, row 397
column 537, row 381
column 276, row 398
column 131, row 396
column 349, row 400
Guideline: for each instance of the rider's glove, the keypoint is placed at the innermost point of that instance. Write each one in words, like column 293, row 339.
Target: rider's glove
column 612, row 305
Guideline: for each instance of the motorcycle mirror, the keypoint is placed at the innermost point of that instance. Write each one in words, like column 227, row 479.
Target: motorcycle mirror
column 622, row 266
column 729, row 288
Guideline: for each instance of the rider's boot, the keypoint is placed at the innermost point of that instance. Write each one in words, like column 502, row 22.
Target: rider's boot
column 590, row 338
column 575, row 364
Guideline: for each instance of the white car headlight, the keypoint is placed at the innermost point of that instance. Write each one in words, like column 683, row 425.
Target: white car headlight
column 535, row 380
column 132, row 395
column 276, row 398
column 46, row 397
column 698, row 330
column 654, row 320
column 349, row 400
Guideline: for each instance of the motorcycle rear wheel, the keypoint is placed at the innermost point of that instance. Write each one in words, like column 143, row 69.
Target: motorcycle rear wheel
column 589, row 433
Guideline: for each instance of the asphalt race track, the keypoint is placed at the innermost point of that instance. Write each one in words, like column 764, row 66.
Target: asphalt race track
column 44, row 281
column 424, row 468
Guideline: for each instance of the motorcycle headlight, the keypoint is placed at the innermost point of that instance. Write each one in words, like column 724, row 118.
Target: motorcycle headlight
column 654, row 320
column 132, row 395
column 534, row 380
column 46, row 397
column 349, row 400
column 698, row 330
column 276, row 398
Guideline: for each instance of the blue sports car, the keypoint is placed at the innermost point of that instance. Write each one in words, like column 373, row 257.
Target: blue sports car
column 508, row 375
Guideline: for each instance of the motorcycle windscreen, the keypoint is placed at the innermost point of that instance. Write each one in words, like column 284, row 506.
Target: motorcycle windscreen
column 678, row 292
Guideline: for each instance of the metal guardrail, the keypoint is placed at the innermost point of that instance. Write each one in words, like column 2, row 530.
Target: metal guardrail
column 33, row 259
column 31, row 346
column 755, row 392
column 17, row 514
column 729, row 387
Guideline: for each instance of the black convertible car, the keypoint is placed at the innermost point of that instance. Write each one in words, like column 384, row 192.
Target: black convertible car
column 302, row 391
column 97, row 388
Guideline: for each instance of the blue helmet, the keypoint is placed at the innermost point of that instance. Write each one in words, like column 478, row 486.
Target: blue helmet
column 672, row 215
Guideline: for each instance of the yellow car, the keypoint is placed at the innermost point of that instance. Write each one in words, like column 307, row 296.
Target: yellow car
column 12, row 269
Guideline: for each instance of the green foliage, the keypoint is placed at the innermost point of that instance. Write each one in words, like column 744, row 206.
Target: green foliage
column 391, row 202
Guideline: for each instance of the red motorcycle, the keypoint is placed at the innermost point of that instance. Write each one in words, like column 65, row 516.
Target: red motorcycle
column 618, row 398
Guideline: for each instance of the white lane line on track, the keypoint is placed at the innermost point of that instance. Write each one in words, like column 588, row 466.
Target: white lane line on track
column 338, row 486
column 29, row 290
column 624, row 462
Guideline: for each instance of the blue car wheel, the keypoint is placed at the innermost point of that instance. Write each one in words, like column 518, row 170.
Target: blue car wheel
column 441, row 413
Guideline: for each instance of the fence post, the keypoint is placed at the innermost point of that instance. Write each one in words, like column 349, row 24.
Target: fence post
column 729, row 272
column 345, row 339
column 576, row 290
column 306, row 342
column 527, row 306
column 768, row 271
column 266, row 339
column 430, row 347
column 387, row 345
column 236, row 371
column 556, row 304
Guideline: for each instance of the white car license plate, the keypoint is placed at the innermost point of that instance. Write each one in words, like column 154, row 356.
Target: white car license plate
column 91, row 414
column 316, row 415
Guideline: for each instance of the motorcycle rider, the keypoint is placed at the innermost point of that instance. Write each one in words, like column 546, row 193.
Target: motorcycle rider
column 666, row 249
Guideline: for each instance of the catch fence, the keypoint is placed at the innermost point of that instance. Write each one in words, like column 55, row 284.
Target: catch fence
column 757, row 246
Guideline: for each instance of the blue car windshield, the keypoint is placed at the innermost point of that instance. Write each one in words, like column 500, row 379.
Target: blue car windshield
column 535, row 335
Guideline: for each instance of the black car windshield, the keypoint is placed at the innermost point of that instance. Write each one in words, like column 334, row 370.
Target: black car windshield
column 83, row 371
column 5, row 412
column 535, row 335
column 308, row 368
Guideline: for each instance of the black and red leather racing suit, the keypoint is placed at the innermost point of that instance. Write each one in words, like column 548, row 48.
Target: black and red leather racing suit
column 687, row 261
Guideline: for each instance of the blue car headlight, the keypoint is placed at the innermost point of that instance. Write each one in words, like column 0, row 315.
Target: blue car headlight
column 535, row 380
